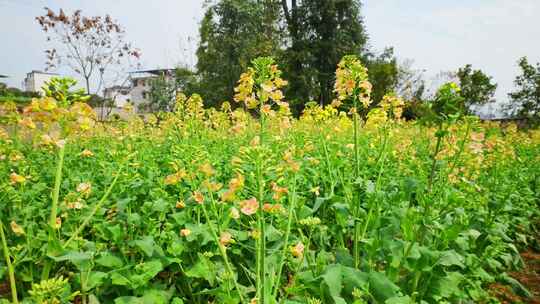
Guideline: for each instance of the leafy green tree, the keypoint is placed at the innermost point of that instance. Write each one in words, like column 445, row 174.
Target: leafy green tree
column 477, row 88
column 308, row 38
column 525, row 100
column 163, row 89
column 63, row 90
column 321, row 33
column 232, row 33
column 383, row 73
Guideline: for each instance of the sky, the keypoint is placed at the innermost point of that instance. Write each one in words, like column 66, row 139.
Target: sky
column 437, row 35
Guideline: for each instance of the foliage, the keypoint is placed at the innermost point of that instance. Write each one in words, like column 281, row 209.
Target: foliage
column 476, row 87
column 232, row 33
column 15, row 94
column 61, row 90
column 526, row 99
column 222, row 206
column 165, row 87
column 307, row 38
column 91, row 46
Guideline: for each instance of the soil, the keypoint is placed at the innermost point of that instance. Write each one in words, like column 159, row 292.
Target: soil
column 529, row 277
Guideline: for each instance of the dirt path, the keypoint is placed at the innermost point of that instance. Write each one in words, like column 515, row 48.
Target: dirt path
column 529, row 277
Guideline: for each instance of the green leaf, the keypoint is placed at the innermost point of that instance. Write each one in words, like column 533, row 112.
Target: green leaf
column 92, row 299
column 399, row 300
column 203, row 269
column 146, row 245
column 451, row 258
column 73, row 256
column 95, row 279
column 118, row 279
column 381, row 287
column 110, row 261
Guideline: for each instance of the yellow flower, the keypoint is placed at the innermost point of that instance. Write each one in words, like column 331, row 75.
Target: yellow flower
column 249, row 207
column 84, row 188
column 185, row 232
column 47, row 140
column 86, row 153
column 207, row 169
column 225, row 238
column 58, row 223
column 175, row 178
column 18, row 230
column 198, row 197
column 27, row 122
column 212, row 186
column 47, row 104
column 278, row 191
column 298, row 250
column 180, row 204
column 16, row 178
column 234, row 213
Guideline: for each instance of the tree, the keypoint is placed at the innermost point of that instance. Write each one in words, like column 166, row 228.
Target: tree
column 525, row 100
column 321, row 33
column 232, row 33
column 308, row 38
column 383, row 73
column 476, row 87
column 91, row 46
column 164, row 88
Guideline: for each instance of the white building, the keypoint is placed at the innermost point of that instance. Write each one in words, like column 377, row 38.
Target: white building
column 120, row 94
column 136, row 93
column 35, row 81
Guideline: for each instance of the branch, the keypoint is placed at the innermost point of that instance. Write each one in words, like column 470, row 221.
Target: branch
column 286, row 11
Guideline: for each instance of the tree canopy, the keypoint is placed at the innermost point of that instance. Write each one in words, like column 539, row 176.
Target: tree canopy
column 525, row 100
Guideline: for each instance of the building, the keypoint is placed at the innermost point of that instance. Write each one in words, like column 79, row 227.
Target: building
column 141, row 82
column 120, row 94
column 35, row 81
column 136, row 92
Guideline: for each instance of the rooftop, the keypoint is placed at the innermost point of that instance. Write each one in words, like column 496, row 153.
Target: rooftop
column 41, row 72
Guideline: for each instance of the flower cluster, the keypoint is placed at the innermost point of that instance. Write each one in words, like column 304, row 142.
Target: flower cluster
column 352, row 83
column 261, row 85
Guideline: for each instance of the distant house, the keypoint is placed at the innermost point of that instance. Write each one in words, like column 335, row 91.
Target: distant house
column 136, row 92
column 35, row 80
column 120, row 94
column 141, row 82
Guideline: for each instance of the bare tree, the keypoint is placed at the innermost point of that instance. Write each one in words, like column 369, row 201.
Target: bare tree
column 92, row 47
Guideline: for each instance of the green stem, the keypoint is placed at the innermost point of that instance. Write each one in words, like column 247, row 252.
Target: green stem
column 56, row 191
column 54, row 208
column 261, row 244
column 356, row 245
column 287, row 235
column 434, row 162
column 91, row 215
column 261, row 250
column 11, row 270
column 461, row 147
column 223, row 252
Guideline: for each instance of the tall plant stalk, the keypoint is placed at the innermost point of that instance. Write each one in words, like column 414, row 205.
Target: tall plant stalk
column 222, row 250
column 94, row 210
column 54, row 208
column 261, row 248
column 11, row 270
column 439, row 134
column 356, row 245
column 292, row 205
